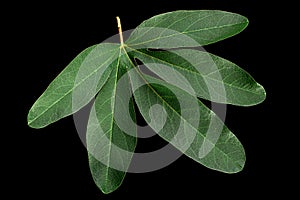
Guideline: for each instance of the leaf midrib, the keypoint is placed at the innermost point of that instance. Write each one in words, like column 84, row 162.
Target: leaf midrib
column 166, row 103
column 187, row 32
column 195, row 73
column 112, row 117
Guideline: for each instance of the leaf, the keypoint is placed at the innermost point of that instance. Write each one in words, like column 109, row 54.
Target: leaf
column 109, row 144
column 75, row 86
column 186, row 29
column 170, row 107
column 210, row 142
column 212, row 78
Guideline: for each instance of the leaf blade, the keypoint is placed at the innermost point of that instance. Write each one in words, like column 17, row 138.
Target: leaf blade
column 109, row 146
column 226, row 154
column 186, row 28
column 213, row 78
column 68, row 92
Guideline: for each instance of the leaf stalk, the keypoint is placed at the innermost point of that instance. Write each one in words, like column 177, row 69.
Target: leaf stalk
column 120, row 31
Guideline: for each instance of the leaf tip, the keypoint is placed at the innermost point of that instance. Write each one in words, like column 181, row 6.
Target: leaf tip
column 106, row 189
column 244, row 23
column 31, row 124
column 240, row 166
column 258, row 98
column 31, row 121
column 262, row 94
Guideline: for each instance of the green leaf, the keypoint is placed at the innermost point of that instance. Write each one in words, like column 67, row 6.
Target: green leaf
column 110, row 144
column 213, row 78
column 170, row 107
column 75, row 86
column 208, row 142
column 186, row 29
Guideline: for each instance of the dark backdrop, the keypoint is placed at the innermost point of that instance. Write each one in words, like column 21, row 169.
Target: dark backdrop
column 52, row 162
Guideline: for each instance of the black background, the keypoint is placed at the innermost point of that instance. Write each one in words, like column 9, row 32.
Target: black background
column 52, row 162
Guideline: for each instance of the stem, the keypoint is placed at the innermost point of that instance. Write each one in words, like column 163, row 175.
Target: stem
column 120, row 31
